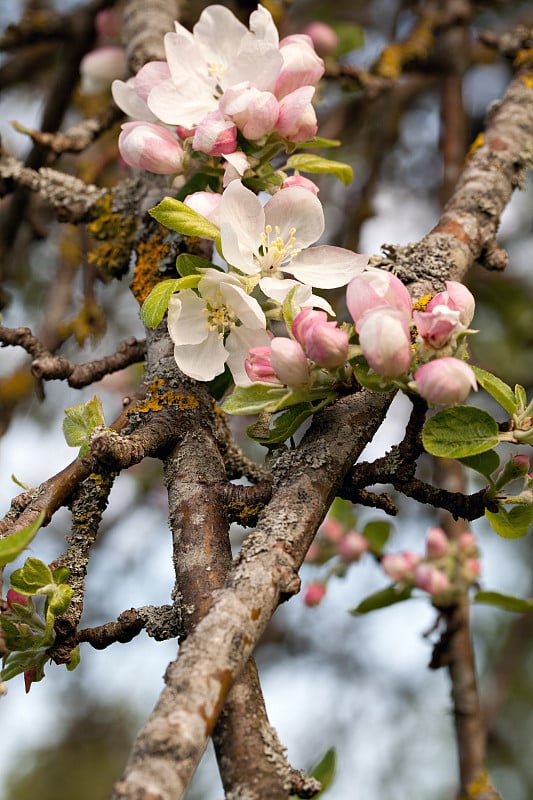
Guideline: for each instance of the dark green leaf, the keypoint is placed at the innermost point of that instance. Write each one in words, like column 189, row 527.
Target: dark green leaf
column 377, row 532
column 385, row 597
column 485, row 463
column 460, row 431
column 506, row 601
column 188, row 264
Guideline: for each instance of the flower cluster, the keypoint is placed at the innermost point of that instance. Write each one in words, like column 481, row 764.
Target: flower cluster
column 219, row 85
column 447, row 568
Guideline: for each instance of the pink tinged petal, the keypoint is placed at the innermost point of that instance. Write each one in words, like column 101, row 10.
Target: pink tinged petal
column 437, row 543
column 431, row 579
column 254, row 112
column 184, row 57
column 242, row 221
column 314, row 594
column 301, row 65
column 238, row 343
column 437, row 326
column 187, row 322
column 150, row 75
column 400, row 566
column 127, row 98
column 215, row 135
column 144, row 145
column 445, row 381
column 326, row 267
column 323, row 342
column 352, row 546
column 385, row 340
column 238, row 161
column 300, row 180
column 203, row 361
column 262, row 24
column 185, row 106
column 258, row 366
column 376, row 287
column 205, row 203
column 289, row 361
column 297, row 119
column 297, row 209
column 256, row 61
column 456, row 297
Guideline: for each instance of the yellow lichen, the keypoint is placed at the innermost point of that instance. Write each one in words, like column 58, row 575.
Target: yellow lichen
column 527, row 79
column 479, row 787
column 158, row 397
column 146, row 273
column 422, row 303
column 524, row 58
column 115, row 234
column 415, row 48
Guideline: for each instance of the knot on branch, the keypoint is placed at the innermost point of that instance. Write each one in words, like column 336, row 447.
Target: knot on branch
column 285, row 573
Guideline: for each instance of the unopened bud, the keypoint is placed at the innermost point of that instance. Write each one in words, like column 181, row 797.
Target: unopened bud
column 314, row 594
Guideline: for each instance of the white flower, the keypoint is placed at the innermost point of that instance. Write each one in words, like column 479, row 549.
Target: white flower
column 219, row 53
column 272, row 240
column 214, row 326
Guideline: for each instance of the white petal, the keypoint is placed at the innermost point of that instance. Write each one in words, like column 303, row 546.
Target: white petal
column 130, row 102
column 246, row 308
column 187, row 321
column 296, row 208
column 242, row 221
column 327, row 267
column 237, row 344
column 202, row 361
column 219, row 34
column 262, row 24
column 257, row 62
column 181, row 106
column 279, row 289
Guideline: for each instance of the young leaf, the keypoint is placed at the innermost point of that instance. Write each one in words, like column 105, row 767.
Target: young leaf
column 485, row 463
column 385, row 597
column 306, row 162
column 59, row 601
column 506, row 601
column 12, row 546
column 253, row 399
column 75, row 658
column 154, row 307
column 460, row 431
column 377, row 533
column 500, row 391
column 520, row 396
column 284, row 426
column 318, row 141
column 80, row 421
column 324, row 771
column 511, row 524
column 178, row 217
column 188, row 264
column 34, row 575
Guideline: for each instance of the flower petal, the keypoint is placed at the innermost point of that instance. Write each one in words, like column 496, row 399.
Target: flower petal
column 242, row 221
column 186, row 318
column 238, row 343
column 278, row 290
column 219, row 34
column 326, row 267
column 296, row 208
column 202, row 361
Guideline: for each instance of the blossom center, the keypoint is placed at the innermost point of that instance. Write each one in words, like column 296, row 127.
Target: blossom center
column 216, row 71
column 220, row 316
column 276, row 253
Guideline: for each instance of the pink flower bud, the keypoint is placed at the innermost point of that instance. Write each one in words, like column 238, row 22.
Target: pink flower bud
column 235, row 166
column 258, row 366
column 458, row 298
column 206, row 204
column 185, row 133
column 522, row 463
column 289, row 361
column 301, row 65
column 467, row 544
column 400, row 566
column 100, row 67
column 300, row 180
column 331, row 530
column 385, row 340
column 297, row 119
column 431, row 579
column 437, row 326
column 445, row 381
column 313, row 555
column 323, row 342
column 471, row 570
column 376, row 287
column 144, row 145
column 352, row 546
column 314, row 594
column 14, row 597
column 215, row 135
column 254, row 112
column 437, row 543
column 324, row 38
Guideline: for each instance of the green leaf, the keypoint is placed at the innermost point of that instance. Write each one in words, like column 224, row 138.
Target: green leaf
column 351, row 37
column 178, row 217
column 154, row 307
column 60, row 600
column 371, row 380
column 500, row 391
column 188, row 264
column 460, row 431
column 511, row 524
column 60, row 574
column 18, row 662
column 377, row 533
column 253, row 399
column 343, row 512
column 307, row 162
column 32, row 577
column 199, row 182
column 520, row 396
column 11, row 546
column 75, row 658
column 506, row 601
column 319, row 141
column 485, row 463
column 80, row 421
column 324, row 771
column 290, row 308
column 284, row 426
column 385, row 597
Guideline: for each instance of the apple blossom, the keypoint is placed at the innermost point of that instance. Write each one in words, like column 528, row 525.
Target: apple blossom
column 301, row 65
column 467, row 544
column 323, row 342
column 235, row 166
column 258, row 365
column 100, row 67
column 132, row 95
column 352, row 546
column 289, row 361
column 198, row 324
column 471, row 570
column 400, row 566
column 431, row 579
column 331, row 530
column 271, row 240
column 445, row 381
column 458, row 298
column 437, row 543
column 297, row 118
column 205, row 203
column 385, row 341
column 300, row 180
column 144, row 145
column 215, row 135
column 325, row 39
column 437, row 326
column 254, row 112
column 376, row 287
column 314, row 594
